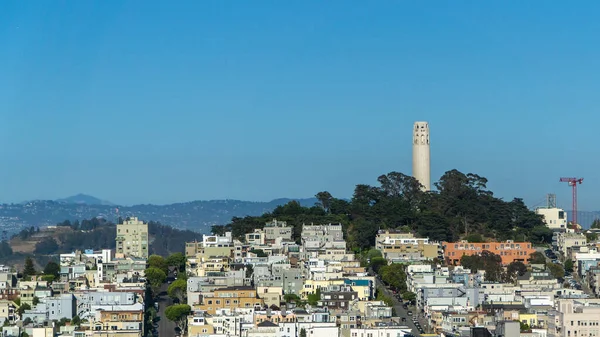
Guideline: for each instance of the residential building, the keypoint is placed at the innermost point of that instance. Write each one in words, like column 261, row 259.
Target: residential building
column 575, row 318
column 399, row 247
column 229, row 299
column 509, row 251
column 568, row 240
column 554, row 218
column 277, row 229
column 132, row 238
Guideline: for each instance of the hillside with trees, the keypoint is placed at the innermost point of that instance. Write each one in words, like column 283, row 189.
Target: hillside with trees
column 461, row 208
column 96, row 233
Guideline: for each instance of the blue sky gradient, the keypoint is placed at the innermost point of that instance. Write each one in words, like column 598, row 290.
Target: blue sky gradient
column 159, row 102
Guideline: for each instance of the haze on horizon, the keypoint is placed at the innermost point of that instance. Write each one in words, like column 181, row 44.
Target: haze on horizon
column 256, row 101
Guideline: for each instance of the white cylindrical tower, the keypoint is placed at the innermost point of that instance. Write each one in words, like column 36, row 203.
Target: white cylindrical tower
column 421, row 161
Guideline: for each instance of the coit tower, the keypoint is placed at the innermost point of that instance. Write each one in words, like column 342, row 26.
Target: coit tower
column 421, row 163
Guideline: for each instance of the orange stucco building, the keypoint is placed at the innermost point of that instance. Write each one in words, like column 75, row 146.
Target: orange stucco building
column 509, row 251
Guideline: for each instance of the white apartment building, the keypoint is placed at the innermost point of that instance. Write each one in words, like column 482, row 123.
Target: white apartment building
column 554, row 218
column 381, row 331
column 88, row 255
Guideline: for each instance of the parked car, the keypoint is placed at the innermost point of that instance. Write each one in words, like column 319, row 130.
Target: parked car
column 409, row 313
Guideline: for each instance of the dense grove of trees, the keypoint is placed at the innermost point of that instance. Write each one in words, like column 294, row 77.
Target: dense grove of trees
column 461, row 208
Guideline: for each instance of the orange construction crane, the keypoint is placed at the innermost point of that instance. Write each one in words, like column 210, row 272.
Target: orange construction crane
column 573, row 183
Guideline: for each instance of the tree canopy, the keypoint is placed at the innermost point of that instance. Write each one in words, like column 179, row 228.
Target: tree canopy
column 52, row 268
column 156, row 277
column 461, row 208
column 29, row 269
column 178, row 313
column 177, row 290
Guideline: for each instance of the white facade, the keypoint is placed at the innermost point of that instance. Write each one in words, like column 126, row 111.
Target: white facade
column 396, row 331
column 553, row 217
column 421, row 155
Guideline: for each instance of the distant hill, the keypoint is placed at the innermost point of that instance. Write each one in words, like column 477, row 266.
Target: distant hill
column 198, row 216
column 85, row 200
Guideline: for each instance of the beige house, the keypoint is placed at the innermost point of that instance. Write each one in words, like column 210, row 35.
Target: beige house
column 397, row 246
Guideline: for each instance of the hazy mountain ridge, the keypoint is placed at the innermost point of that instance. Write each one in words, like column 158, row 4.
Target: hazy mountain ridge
column 194, row 215
column 84, row 199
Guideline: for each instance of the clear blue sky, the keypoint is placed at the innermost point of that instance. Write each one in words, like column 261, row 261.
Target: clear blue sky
column 148, row 101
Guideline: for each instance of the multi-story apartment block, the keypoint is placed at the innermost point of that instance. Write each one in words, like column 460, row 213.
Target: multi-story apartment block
column 568, row 240
column 509, row 251
column 256, row 238
column 319, row 236
column 87, row 301
column 338, row 297
column 120, row 319
column 275, row 230
column 554, row 218
column 575, row 318
column 132, row 238
column 397, row 247
column 229, row 299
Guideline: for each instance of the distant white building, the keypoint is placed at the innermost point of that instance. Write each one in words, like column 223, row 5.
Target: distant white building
column 554, row 218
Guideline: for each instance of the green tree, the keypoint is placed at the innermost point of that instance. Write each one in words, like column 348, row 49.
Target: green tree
column 524, row 326
column 302, row 332
column 313, row 299
column 46, row 246
column 514, row 270
column 325, row 198
column 29, row 269
column 24, row 334
column 386, row 299
column 556, row 270
column 156, row 277
column 394, row 276
column 177, row 260
column 409, row 296
column 537, row 258
column 76, row 320
column 52, row 268
column 489, row 262
column 377, row 263
column 568, row 265
column 591, row 237
column 157, row 261
column 249, row 270
column 259, row 252
column 6, row 322
column 5, row 250
column 48, row 278
column 177, row 290
column 35, row 300
column 475, row 237
column 22, row 308
column 178, row 313
column 288, row 298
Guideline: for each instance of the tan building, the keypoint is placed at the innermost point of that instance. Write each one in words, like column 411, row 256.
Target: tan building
column 570, row 240
column 117, row 322
column 277, row 229
column 575, row 318
column 396, row 246
column 229, row 298
column 204, row 266
column 132, row 238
